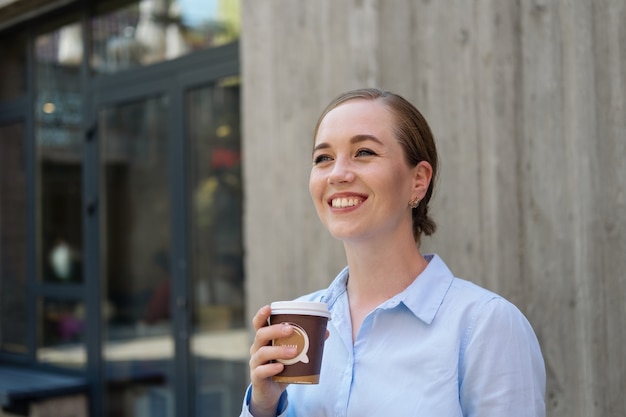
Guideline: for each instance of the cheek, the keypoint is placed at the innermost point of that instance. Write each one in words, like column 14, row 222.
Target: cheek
column 397, row 184
column 314, row 186
column 317, row 187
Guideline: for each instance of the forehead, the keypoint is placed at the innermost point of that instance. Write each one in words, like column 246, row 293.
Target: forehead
column 356, row 117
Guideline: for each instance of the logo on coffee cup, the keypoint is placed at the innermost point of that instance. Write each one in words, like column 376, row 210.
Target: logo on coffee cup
column 298, row 339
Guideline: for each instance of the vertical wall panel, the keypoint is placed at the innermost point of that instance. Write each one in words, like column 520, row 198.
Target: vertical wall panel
column 608, row 205
column 526, row 100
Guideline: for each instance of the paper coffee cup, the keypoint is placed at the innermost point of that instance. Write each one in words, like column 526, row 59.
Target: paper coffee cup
column 309, row 320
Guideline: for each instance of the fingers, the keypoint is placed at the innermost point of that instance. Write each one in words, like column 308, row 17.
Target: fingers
column 260, row 318
column 263, row 355
column 264, row 365
column 264, row 361
column 264, row 332
column 261, row 347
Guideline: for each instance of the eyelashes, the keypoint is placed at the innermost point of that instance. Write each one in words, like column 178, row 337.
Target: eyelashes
column 321, row 158
column 361, row 152
column 365, row 152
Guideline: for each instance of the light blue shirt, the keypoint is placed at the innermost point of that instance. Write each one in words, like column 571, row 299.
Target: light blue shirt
column 444, row 347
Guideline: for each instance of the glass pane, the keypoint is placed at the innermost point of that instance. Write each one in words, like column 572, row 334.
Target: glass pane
column 150, row 31
column 220, row 340
column 139, row 346
column 58, row 134
column 62, row 333
column 13, row 245
column 13, row 67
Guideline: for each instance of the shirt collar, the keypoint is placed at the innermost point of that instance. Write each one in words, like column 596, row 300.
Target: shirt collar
column 336, row 288
column 423, row 297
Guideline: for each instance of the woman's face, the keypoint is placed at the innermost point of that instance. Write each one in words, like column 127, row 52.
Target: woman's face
column 360, row 181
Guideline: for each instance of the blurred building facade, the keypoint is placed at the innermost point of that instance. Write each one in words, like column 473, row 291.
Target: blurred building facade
column 121, row 254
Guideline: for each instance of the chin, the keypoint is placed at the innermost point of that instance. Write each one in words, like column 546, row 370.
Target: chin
column 343, row 234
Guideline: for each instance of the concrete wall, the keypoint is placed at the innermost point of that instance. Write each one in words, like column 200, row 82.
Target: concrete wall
column 527, row 102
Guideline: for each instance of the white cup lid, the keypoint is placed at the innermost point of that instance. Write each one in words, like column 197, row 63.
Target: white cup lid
column 309, row 308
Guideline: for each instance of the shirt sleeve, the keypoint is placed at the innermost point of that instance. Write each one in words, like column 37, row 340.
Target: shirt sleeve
column 281, row 409
column 501, row 369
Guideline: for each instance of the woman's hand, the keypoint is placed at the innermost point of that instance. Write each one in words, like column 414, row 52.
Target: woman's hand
column 265, row 392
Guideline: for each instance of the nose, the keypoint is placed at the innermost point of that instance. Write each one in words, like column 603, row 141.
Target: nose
column 341, row 172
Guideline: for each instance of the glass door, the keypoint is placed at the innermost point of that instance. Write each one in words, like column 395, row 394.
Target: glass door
column 219, row 343
column 138, row 349
column 13, row 240
column 171, row 240
column 61, row 311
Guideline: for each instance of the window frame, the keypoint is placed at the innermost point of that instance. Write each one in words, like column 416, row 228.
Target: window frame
column 188, row 71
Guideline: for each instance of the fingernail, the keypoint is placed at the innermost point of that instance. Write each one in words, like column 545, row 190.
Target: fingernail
column 286, row 328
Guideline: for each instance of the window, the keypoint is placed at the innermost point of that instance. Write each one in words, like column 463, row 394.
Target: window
column 219, row 343
column 58, row 136
column 13, row 241
column 150, row 31
column 12, row 67
column 138, row 350
column 121, row 252
column 62, row 330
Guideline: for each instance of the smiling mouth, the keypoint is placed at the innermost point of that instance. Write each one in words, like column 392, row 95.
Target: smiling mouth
column 345, row 202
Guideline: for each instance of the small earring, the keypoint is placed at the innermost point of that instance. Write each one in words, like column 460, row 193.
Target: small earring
column 414, row 202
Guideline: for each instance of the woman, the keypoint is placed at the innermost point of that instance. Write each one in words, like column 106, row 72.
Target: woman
column 406, row 337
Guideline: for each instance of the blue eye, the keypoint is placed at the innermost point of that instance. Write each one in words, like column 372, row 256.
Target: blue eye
column 321, row 158
column 365, row 152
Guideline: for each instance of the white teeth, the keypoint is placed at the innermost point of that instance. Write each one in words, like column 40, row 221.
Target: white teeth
column 345, row 202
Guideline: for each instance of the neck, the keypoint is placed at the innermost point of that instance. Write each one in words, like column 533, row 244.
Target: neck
column 380, row 271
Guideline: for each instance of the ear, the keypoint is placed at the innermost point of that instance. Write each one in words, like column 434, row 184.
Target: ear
column 422, row 175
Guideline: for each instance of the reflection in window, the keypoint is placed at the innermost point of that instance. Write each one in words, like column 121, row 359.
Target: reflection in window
column 13, row 67
column 58, row 133
column 139, row 349
column 13, row 291
column 220, row 339
column 62, row 329
column 217, row 215
column 137, row 218
column 150, row 31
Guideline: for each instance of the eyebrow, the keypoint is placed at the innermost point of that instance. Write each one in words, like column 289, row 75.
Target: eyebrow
column 354, row 139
